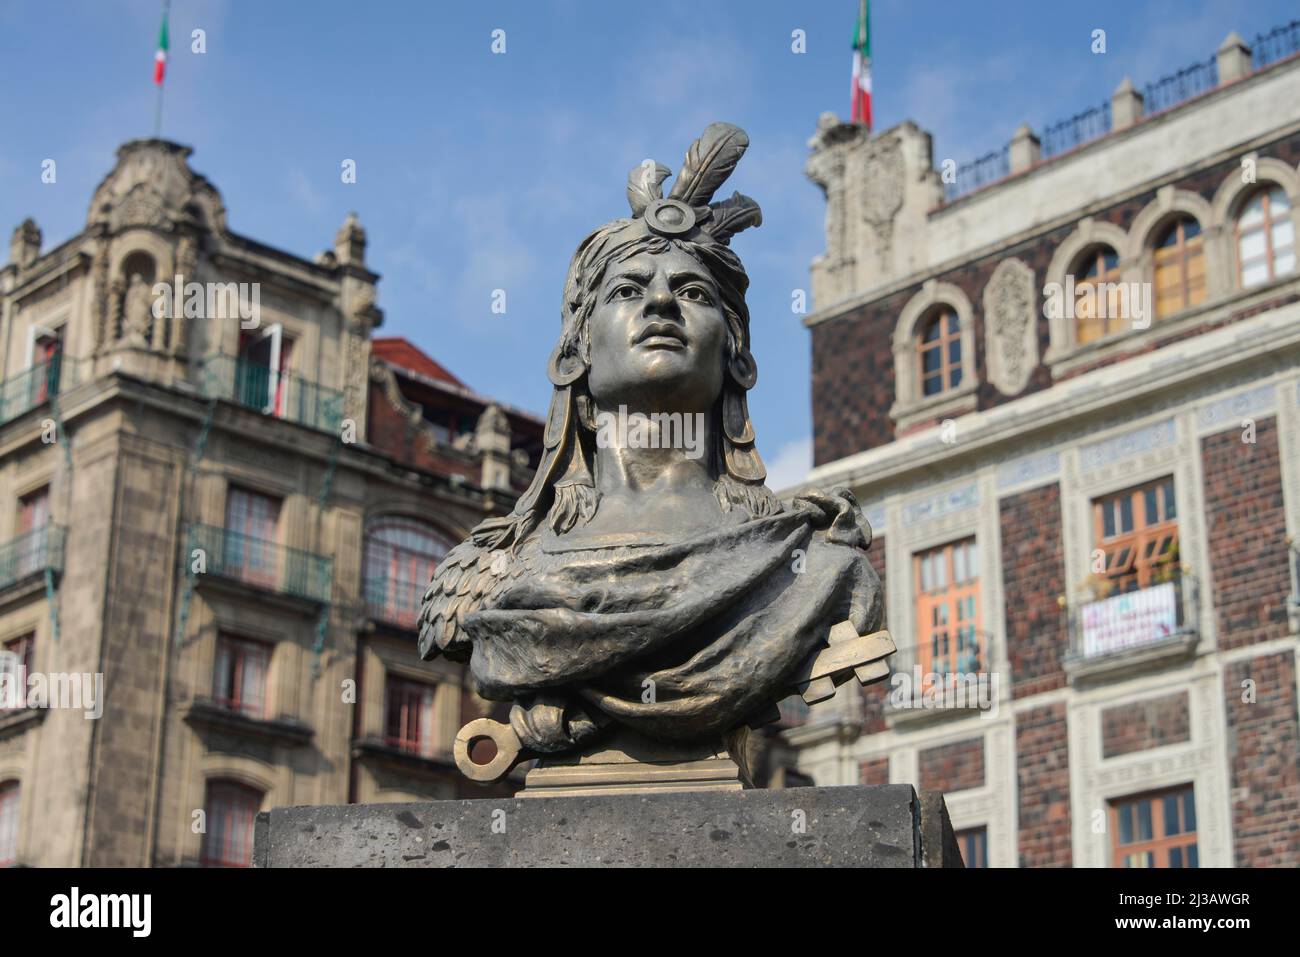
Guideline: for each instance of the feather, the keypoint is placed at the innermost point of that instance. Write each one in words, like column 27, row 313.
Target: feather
column 645, row 185
column 709, row 162
column 732, row 215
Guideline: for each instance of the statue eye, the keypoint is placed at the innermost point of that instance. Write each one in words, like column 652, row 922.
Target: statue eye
column 696, row 294
column 625, row 291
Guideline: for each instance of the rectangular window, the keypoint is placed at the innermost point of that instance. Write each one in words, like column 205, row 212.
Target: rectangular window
column 1137, row 529
column 239, row 682
column 33, row 517
column 949, row 639
column 974, row 844
column 252, row 523
column 1156, row 829
column 231, row 809
column 10, row 794
column 16, row 664
column 409, row 723
column 261, row 377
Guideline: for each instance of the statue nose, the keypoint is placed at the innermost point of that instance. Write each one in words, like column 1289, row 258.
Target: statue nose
column 661, row 301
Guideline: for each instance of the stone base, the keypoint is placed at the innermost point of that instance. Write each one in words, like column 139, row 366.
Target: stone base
column 885, row 826
column 630, row 764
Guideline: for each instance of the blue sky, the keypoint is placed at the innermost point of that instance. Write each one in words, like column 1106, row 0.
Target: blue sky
column 478, row 171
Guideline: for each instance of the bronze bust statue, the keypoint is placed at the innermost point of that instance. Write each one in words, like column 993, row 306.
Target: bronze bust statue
column 649, row 596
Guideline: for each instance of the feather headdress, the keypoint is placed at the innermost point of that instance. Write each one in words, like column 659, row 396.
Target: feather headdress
column 710, row 160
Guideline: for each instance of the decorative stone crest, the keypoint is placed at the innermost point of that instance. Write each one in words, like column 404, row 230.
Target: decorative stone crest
column 1011, row 326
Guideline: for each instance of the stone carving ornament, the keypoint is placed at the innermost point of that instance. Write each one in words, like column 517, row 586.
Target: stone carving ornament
column 642, row 606
column 1011, row 326
column 881, row 195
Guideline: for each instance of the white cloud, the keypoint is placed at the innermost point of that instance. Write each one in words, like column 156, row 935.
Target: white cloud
column 791, row 465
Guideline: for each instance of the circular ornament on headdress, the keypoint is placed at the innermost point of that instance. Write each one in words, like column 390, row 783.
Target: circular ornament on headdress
column 669, row 217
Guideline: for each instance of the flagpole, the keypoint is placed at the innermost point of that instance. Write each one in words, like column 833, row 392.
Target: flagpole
column 162, row 84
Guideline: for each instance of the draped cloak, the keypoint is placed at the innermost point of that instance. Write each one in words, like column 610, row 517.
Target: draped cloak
column 677, row 641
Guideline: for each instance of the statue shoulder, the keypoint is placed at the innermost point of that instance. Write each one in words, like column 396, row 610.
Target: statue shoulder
column 469, row 577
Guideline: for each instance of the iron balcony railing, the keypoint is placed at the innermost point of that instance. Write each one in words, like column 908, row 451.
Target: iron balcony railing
column 1077, row 130
column 961, row 659
column 1188, row 82
column 393, row 600
column 284, row 395
column 1278, row 44
column 979, row 173
column 234, row 555
column 29, row 388
column 31, row 553
column 1131, row 622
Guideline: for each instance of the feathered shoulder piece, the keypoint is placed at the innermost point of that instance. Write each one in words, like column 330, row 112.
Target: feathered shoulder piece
column 471, row 576
column 709, row 161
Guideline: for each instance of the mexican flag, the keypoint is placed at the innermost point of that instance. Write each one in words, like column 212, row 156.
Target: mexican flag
column 862, row 67
column 160, row 57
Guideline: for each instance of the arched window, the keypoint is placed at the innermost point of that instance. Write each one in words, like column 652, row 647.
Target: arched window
column 939, row 348
column 401, row 554
column 1179, row 267
column 231, row 809
column 1265, row 237
column 10, row 793
column 1099, row 307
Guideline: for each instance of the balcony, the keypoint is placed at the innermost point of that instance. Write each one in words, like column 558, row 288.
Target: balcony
column 1120, row 634
column 942, row 680
column 208, row 715
column 25, row 559
column 393, row 601
column 282, row 395
column 270, row 567
column 30, row 388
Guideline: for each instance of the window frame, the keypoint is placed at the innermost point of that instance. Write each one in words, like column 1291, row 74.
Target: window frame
column 27, row 643
column 242, row 650
column 1161, row 844
column 1265, row 191
column 1134, row 558
column 424, row 743
column 949, row 325
column 949, row 597
column 1095, row 257
column 11, row 806
column 1184, row 252
column 245, row 815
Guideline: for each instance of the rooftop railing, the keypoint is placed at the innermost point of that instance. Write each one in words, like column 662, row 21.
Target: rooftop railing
column 1063, row 136
column 284, row 395
column 1278, row 44
column 1188, row 82
column 233, row 555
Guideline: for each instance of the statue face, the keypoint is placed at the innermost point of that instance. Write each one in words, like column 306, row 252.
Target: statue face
column 658, row 336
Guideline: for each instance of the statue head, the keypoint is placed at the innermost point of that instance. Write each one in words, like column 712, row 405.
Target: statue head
column 654, row 318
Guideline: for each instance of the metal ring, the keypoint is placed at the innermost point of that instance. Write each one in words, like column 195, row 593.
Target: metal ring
column 502, row 735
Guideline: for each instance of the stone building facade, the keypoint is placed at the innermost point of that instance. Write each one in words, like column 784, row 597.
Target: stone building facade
column 1084, row 496
column 219, row 511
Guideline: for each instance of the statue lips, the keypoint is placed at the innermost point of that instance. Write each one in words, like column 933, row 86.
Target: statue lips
column 661, row 335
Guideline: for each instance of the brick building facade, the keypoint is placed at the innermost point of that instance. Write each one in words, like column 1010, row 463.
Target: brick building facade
column 227, row 516
column 1069, row 402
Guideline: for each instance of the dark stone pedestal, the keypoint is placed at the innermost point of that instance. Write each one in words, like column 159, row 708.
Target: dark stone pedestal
column 886, row 826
